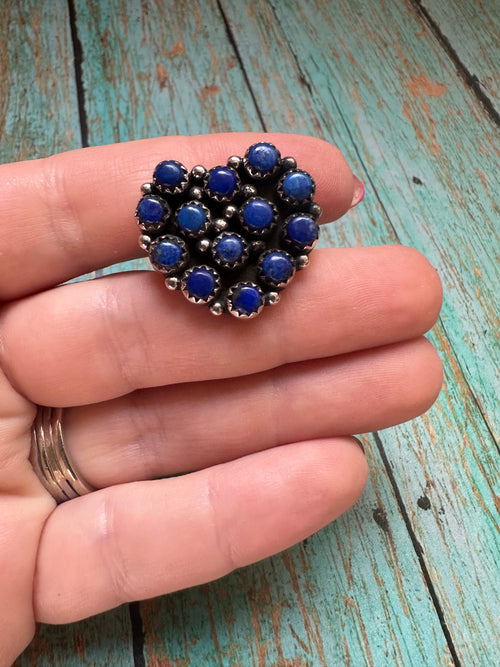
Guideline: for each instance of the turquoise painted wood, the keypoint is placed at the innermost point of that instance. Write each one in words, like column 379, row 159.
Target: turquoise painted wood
column 473, row 31
column 410, row 575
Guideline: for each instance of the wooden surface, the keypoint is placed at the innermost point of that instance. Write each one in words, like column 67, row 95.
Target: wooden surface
column 410, row 93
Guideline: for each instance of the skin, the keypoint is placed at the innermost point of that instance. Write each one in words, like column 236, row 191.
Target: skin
column 141, row 373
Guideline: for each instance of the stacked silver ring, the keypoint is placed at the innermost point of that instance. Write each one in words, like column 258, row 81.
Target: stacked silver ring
column 50, row 460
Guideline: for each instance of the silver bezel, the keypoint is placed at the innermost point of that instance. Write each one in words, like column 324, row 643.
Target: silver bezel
column 153, row 226
column 251, row 230
column 177, row 267
column 177, row 189
column 255, row 173
column 230, row 265
column 268, row 281
column 203, row 229
column 290, row 200
column 233, row 311
column 222, row 198
column 292, row 244
column 195, row 299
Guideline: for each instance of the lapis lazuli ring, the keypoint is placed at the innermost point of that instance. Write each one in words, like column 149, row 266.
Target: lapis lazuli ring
column 233, row 236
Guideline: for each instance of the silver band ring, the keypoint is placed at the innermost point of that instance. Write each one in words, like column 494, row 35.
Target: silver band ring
column 50, row 460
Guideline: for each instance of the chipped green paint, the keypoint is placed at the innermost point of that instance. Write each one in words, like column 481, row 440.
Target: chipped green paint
column 373, row 78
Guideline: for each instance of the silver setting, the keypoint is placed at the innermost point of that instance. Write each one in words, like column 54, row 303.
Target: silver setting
column 236, row 313
column 234, row 162
column 262, row 175
column 222, row 198
column 289, row 163
column 203, row 245
column 290, row 200
column 271, row 298
column 195, row 299
column 249, row 191
column 251, row 230
column 176, row 190
column 147, row 188
column 153, row 226
column 301, row 262
column 230, row 265
column 257, row 247
column 315, row 210
column 198, row 172
column 292, row 244
column 173, row 283
column 144, row 242
column 175, row 268
column 50, row 460
column 220, row 225
column 268, row 281
column 230, row 211
column 206, row 225
column 217, row 308
column 195, row 192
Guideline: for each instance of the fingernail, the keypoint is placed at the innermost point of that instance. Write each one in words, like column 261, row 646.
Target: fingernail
column 359, row 192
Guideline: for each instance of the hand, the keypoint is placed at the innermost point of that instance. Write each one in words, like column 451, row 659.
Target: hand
column 261, row 410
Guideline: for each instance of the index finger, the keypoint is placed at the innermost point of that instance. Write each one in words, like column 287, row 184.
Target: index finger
column 75, row 210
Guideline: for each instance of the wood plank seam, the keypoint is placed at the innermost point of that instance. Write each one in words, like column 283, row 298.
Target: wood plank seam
column 77, row 60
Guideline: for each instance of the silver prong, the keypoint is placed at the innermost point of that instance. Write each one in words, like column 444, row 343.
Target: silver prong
column 220, row 224
column 230, row 211
column 289, row 163
column 173, row 283
column 144, row 241
column 271, row 298
column 195, row 193
column 198, row 172
column 234, row 161
column 302, row 261
column 217, row 308
column 257, row 247
column 203, row 245
column 147, row 188
column 249, row 191
column 315, row 210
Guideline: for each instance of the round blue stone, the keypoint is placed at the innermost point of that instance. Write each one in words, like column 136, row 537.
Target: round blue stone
column 229, row 249
column 246, row 299
column 151, row 210
column 191, row 218
column 167, row 254
column 302, row 230
column 298, row 186
column 263, row 157
column 258, row 214
column 222, row 181
column 277, row 267
column 200, row 283
column 169, row 174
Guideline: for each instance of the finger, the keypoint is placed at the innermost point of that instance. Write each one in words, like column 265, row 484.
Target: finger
column 102, row 339
column 160, row 432
column 140, row 540
column 76, row 209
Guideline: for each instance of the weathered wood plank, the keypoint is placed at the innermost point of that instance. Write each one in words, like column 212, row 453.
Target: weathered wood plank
column 386, row 111
column 472, row 30
column 38, row 107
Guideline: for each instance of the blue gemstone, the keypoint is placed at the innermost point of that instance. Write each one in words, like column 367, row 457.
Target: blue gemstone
column 298, row 186
column 191, row 218
column 246, row 299
column 302, row 230
column 277, row 267
column 229, row 249
column 222, row 181
column 200, row 283
column 263, row 157
column 258, row 214
column 169, row 174
column 151, row 210
column 166, row 253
